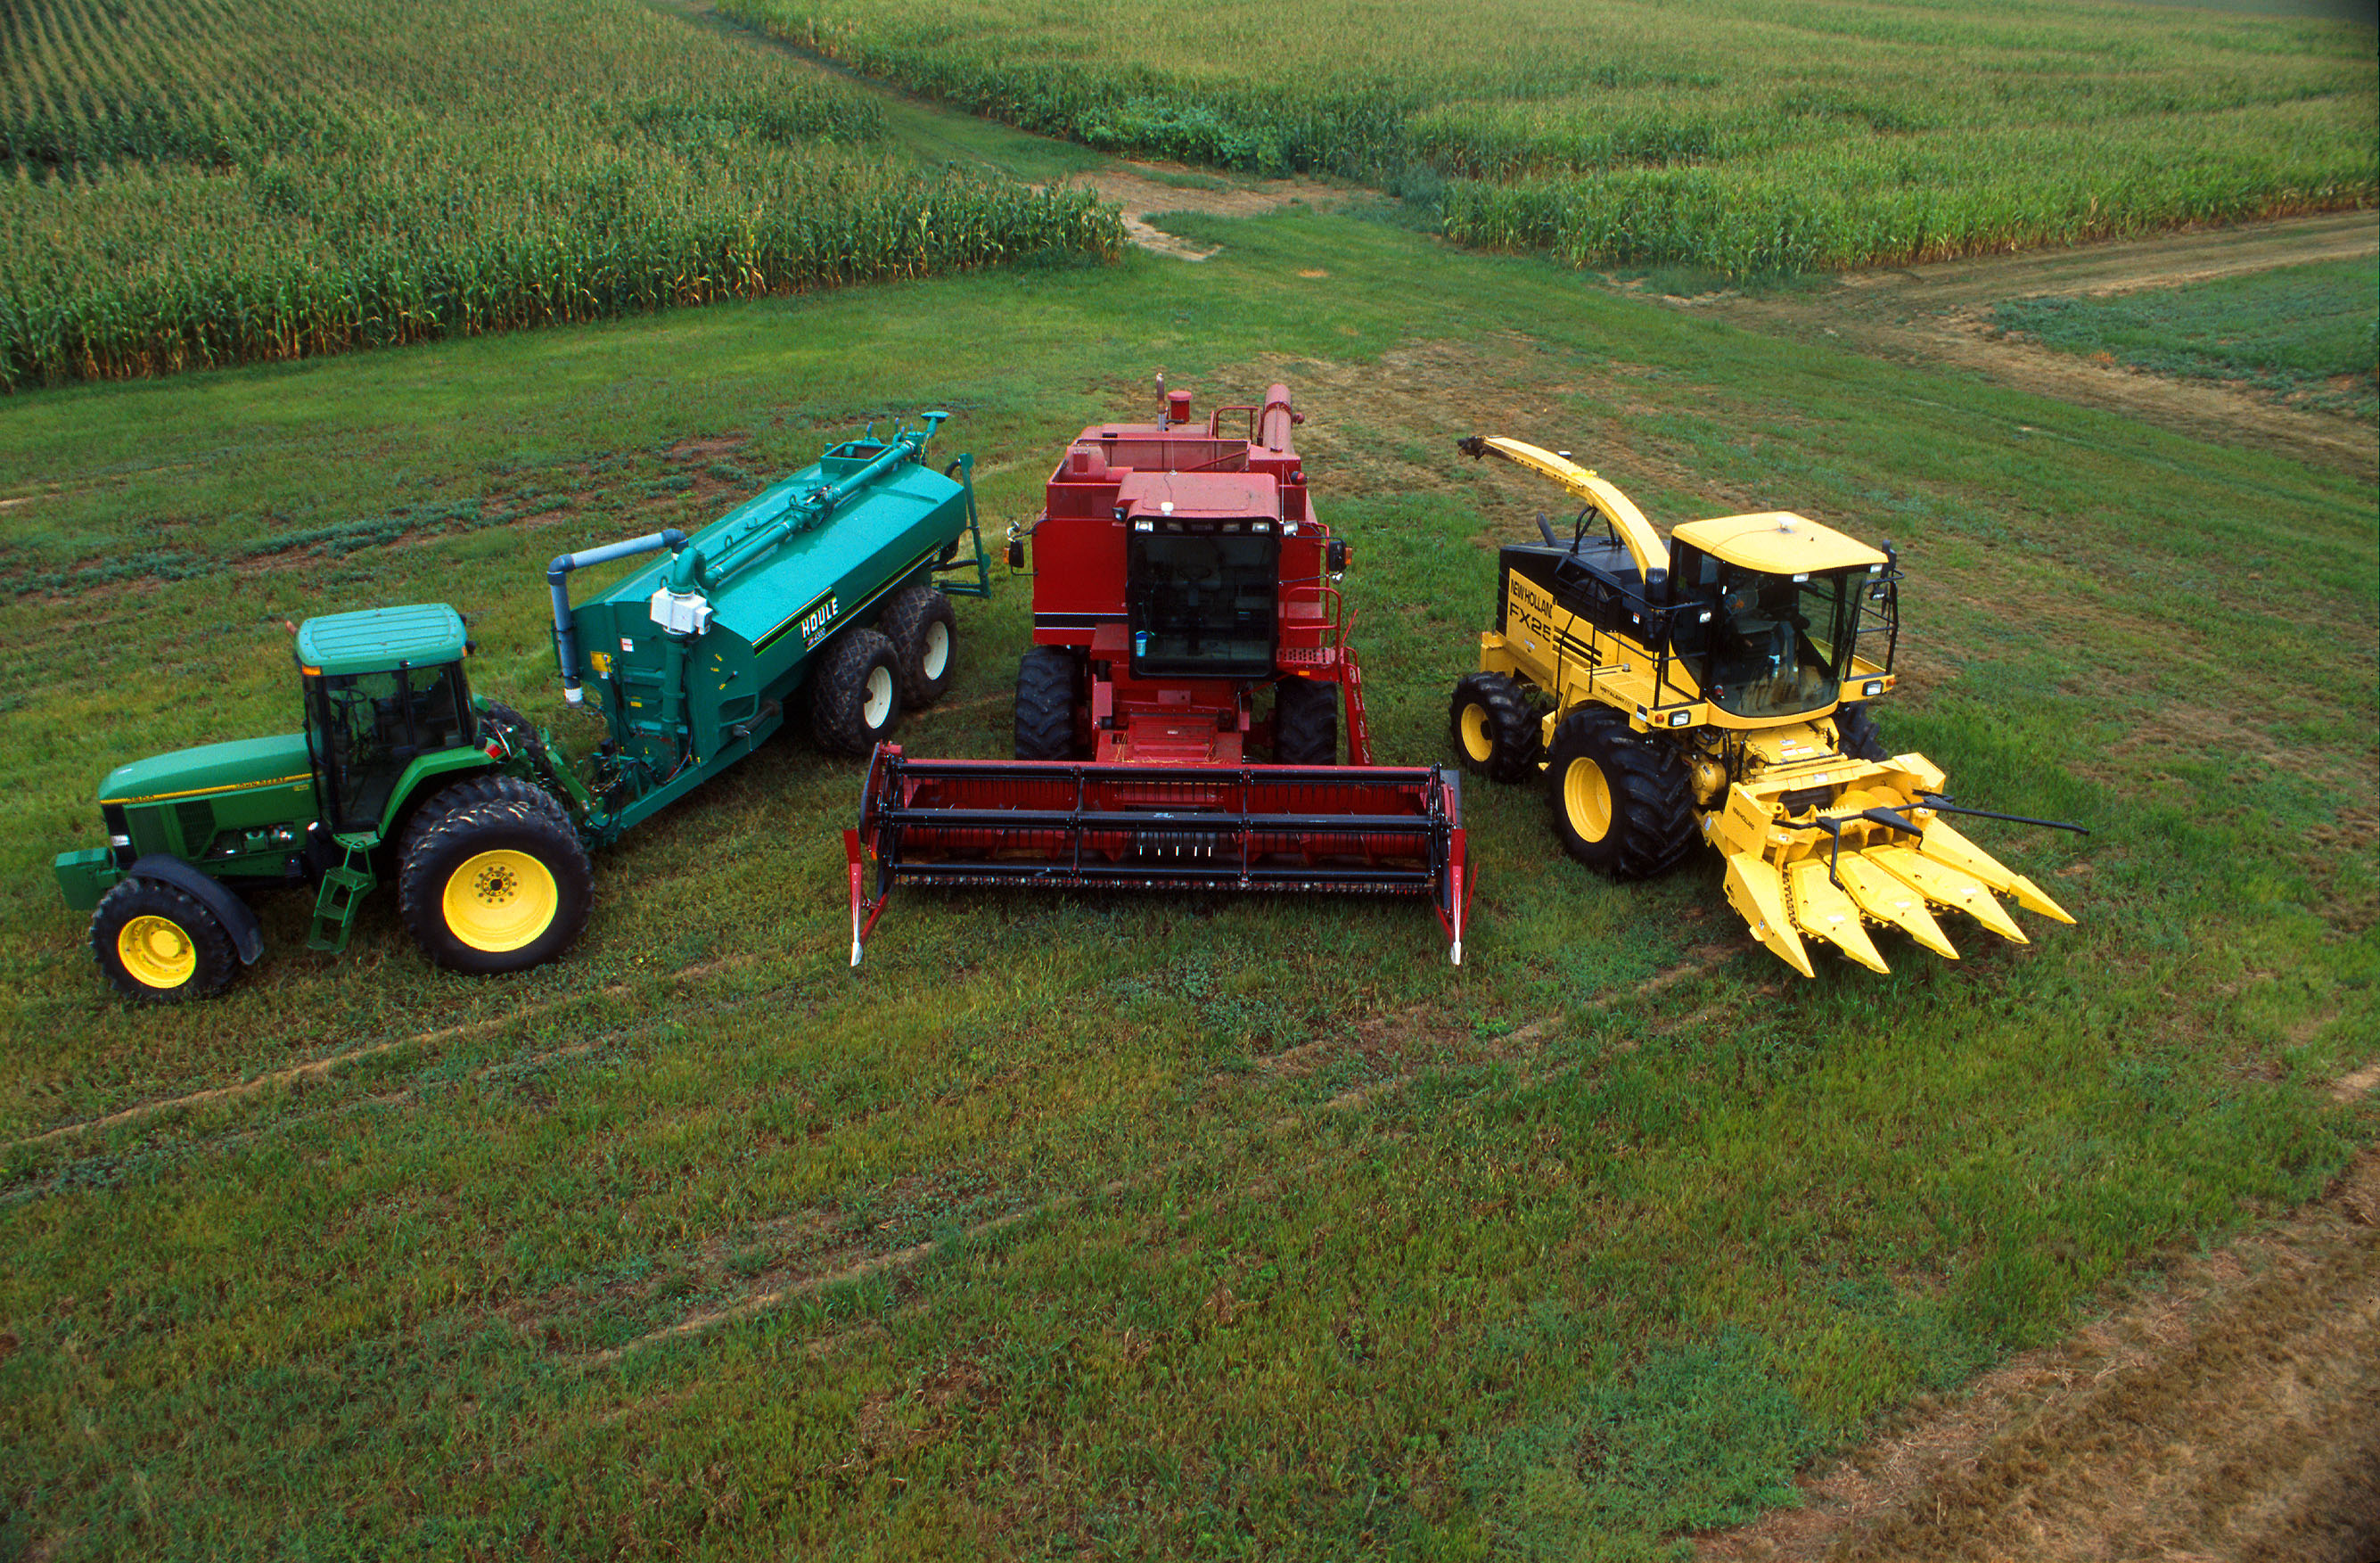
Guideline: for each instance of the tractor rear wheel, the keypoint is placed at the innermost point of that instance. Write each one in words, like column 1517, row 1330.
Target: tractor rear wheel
column 924, row 629
column 493, row 877
column 1494, row 734
column 1857, row 735
column 1047, row 680
column 159, row 944
column 1304, row 722
column 1621, row 804
column 856, row 693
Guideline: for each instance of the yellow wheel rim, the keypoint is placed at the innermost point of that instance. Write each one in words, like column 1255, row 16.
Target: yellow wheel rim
column 501, row 900
column 1587, row 798
column 1477, row 742
column 157, row 952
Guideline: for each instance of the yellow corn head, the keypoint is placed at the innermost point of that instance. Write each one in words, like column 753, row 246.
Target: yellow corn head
column 1716, row 685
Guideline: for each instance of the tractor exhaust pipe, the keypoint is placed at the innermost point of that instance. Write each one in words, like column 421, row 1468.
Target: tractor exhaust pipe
column 557, row 578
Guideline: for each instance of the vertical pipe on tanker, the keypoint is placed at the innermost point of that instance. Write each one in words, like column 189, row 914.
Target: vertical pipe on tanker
column 557, row 578
column 1275, row 422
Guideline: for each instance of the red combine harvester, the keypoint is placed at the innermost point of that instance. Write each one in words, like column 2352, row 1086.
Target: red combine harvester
column 1185, row 613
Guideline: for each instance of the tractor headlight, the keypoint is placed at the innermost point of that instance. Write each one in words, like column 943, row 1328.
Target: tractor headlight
column 119, row 841
column 1874, row 686
column 1680, row 719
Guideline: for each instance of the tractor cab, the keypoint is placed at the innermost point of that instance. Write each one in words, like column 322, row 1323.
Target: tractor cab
column 381, row 689
column 1766, row 610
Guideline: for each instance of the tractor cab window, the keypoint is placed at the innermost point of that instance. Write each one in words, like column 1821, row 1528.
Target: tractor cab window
column 1759, row 644
column 1201, row 604
column 362, row 729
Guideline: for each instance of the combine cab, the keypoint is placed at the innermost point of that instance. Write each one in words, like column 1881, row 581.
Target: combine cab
column 1177, row 718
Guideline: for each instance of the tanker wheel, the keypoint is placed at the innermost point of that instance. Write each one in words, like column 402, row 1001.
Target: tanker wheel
column 856, row 693
column 1494, row 733
column 492, row 878
column 1047, row 679
column 160, row 945
column 1304, row 722
column 924, row 629
column 1621, row 804
column 1857, row 735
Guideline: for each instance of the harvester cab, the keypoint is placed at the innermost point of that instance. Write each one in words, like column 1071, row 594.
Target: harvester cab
column 1178, row 714
column 1717, row 685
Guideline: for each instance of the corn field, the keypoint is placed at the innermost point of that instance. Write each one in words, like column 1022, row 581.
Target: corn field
column 1745, row 136
column 211, row 182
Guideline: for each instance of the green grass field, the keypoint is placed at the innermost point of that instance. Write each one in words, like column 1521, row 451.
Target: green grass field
column 1143, row 1226
column 2306, row 333
column 1751, row 137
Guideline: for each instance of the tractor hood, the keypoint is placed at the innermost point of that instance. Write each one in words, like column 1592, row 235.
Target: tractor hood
column 213, row 768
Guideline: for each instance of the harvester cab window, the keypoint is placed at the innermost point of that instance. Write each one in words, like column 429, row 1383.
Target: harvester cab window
column 1760, row 644
column 1201, row 602
column 364, row 728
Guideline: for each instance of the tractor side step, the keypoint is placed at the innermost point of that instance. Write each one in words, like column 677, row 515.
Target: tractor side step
column 341, row 897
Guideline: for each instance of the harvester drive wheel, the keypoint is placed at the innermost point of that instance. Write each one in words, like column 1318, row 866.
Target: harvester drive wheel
column 493, row 877
column 1621, row 804
column 159, row 944
column 856, row 693
column 1304, row 722
column 1047, row 680
column 924, row 631
column 1857, row 735
column 1494, row 733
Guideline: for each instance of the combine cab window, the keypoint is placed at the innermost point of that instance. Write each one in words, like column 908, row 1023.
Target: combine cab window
column 1763, row 645
column 364, row 728
column 1202, row 605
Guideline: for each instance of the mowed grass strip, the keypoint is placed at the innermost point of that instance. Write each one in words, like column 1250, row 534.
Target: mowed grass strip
column 1254, row 1229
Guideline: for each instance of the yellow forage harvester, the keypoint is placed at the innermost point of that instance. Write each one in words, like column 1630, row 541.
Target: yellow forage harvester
column 1717, row 686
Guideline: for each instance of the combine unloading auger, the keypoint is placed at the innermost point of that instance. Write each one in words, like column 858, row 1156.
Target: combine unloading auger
column 1715, row 685
column 1186, row 616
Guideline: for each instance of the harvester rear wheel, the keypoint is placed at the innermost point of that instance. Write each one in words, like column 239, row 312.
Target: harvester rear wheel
column 159, row 944
column 1047, row 680
column 924, row 631
column 1304, row 722
column 1494, row 734
column 856, row 693
column 493, row 877
column 1621, row 804
column 1857, row 735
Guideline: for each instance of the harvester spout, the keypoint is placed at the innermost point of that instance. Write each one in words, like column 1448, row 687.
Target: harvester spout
column 557, row 579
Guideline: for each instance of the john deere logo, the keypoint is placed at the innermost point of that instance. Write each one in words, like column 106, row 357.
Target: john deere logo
column 817, row 617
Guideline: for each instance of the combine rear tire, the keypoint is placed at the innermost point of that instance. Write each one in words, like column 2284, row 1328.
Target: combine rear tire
column 1047, row 681
column 1494, row 734
column 1304, row 722
column 1621, row 804
column 856, row 693
column 924, row 631
column 157, row 945
column 493, row 878
column 1857, row 735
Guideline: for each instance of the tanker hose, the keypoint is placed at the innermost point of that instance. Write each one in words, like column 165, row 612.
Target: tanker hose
column 558, row 579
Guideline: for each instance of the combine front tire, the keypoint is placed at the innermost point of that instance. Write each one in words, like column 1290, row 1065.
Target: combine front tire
column 157, row 945
column 1494, row 733
column 1306, row 723
column 856, row 693
column 493, row 878
column 1857, row 735
column 1621, row 804
column 924, row 631
column 1047, row 678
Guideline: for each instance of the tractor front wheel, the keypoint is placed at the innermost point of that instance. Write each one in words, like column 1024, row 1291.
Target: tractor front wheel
column 1621, row 804
column 493, row 878
column 159, row 944
column 856, row 693
column 1857, row 735
column 924, row 629
column 1306, row 723
column 1494, row 734
column 1047, row 680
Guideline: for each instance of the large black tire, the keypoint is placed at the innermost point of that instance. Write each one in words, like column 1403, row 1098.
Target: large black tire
column 1304, row 722
column 924, row 629
column 1494, row 734
column 493, row 877
column 856, row 693
column 1621, row 804
column 1857, row 735
column 1048, row 681
column 160, row 945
